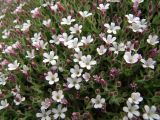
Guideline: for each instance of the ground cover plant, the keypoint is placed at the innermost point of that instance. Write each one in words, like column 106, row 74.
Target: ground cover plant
column 80, row 60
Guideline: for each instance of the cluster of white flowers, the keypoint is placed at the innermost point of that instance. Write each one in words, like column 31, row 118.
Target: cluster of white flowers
column 57, row 113
column 132, row 108
column 74, row 39
column 18, row 99
column 136, row 24
column 37, row 42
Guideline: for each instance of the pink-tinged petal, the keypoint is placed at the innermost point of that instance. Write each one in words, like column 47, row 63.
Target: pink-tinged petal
column 70, row 85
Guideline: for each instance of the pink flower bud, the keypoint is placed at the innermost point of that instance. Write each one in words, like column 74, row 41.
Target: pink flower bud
column 61, row 8
column 153, row 52
column 36, row 13
column 114, row 72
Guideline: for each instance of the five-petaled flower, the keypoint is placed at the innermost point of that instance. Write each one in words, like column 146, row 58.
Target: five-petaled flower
column 50, row 58
column 98, row 102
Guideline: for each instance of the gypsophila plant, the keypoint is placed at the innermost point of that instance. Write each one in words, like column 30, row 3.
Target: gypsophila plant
column 80, row 59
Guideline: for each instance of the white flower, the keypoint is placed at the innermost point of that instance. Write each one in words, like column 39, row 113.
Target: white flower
column 129, row 46
column 25, row 69
column 37, row 37
column 37, row 42
column 44, row 115
column 117, row 47
column 55, row 39
column 135, row 98
column 98, row 102
column 54, row 8
column 46, row 103
column 86, row 76
column 40, row 44
column 75, row 44
column 74, row 82
column 139, row 1
column 109, row 39
column 76, row 71
column 3, row 104
column 136, row 27
column 87, row 62
column 103, row 7
column 143, row 24
column 16, row 90
column 67, row 21
column 47, row 22
column 112, row 28
column 30, row 54
column 148, row 63
column 131, row 58
column 3, row 79
column 77, row 56
column 52, row 78
column 18, row 99
column 46, row 4
column 131, row 18
column 18, row 9
column 150, row 113
column 36, row 12
column 26, row 26
column 65, row 38
column 131, row 110
column 13, row 66
column 87, row 40
column 101, row 50
column 6, row 34
column 2, row 16
column 85, row 14
column 57, row 96
column 59, row 112
column 76, row 29
column 8, row 49
column 153, row 39
column 113, row 0
column 125, row 118
column 51, row 58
